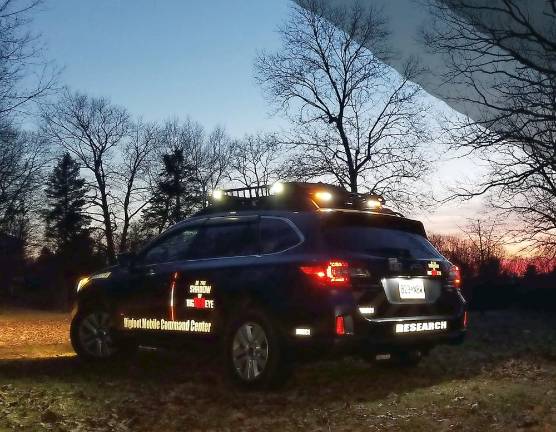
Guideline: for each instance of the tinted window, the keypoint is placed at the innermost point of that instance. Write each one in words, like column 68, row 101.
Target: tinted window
column 277, row 235
column 173, row 248
column 380, row 242
column 235, row 239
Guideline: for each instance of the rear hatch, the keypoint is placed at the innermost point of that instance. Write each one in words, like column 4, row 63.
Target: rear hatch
column 395, row 271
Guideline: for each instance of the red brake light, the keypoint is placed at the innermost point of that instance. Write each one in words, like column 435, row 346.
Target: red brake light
column 455, row 276
column 334, row 272
column 340, row 326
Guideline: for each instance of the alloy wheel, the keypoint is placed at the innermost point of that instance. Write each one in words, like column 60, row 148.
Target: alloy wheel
column 95, row 335
column 250, row 351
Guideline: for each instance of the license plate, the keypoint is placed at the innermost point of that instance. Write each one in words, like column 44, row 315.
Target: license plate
column 411, row 289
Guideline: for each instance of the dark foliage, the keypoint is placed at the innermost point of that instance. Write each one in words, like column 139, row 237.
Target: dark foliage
column 65, row 218
column 176, row 193
column 51, row 278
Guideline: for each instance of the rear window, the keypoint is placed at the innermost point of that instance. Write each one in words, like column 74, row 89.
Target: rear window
column 276, row 235
column 372, row 237
column 378, row 241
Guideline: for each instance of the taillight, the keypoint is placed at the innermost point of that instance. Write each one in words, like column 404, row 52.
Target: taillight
column 333, row 273
column 340, row 326
column 455, row 276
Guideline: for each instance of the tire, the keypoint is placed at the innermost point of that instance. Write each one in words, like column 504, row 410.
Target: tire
column 92, row 337
column 255, row 353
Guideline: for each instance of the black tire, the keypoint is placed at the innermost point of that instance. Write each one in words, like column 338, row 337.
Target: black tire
column 271, row 373
column 93, row 339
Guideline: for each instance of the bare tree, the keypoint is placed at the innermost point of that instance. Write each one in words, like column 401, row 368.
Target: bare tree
column 486, row 240
column 475, row 249
column 91, row 129
column 505, row 54
column 210, row 158
column 132, row 174
column 459, row 250
column 24, row 74
column 208, row 155
column 357, row 121
column 23, row 156
column 256, row 160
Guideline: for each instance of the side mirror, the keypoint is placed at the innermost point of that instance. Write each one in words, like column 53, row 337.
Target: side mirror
column 126, row 259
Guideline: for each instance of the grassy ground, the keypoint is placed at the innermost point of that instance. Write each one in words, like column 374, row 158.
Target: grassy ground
column 503, row 378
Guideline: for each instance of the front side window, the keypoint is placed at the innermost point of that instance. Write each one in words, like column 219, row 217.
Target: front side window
column 277, row 235
column 226, row 240
column 175, row 247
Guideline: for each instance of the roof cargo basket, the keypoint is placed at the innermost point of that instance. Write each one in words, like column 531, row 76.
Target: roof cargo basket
column 294, row 196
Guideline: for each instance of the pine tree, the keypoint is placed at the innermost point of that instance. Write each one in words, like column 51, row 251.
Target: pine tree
column 176, row 192
column 66, row 221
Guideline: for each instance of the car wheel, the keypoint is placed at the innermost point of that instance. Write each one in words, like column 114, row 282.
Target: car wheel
column 256, row 355
column 92, row 336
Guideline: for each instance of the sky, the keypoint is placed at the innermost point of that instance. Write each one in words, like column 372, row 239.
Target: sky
column 179, row 58
column 167, row 58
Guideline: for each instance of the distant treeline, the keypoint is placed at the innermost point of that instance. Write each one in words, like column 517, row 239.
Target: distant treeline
column 68, row 209
column 492, row 281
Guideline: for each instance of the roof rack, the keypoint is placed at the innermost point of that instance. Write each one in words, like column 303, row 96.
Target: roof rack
column 296, row 196
column 245, row 192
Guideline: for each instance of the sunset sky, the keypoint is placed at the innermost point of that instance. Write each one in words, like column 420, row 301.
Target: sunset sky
column 178, row 59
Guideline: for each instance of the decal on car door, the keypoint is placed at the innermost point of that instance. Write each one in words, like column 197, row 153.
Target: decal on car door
column 201, row 292
column 198, row 297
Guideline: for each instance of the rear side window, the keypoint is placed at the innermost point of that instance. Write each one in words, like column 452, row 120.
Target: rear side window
column 381, row 242
column 225, row 240
column 277, row 235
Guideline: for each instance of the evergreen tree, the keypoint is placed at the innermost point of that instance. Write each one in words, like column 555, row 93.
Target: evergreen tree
column 176, row 193
column 66, row 221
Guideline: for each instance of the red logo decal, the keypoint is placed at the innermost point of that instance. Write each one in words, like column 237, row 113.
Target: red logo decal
column 199, row 302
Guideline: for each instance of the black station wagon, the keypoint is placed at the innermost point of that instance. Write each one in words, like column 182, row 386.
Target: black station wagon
column 271, row 275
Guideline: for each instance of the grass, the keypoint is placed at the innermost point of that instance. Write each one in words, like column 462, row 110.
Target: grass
column 503, row 378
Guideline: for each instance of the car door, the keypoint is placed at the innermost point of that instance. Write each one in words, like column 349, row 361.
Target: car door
column 147, row 307
column 223, row 261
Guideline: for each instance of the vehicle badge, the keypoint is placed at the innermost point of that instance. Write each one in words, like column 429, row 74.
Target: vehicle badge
column 433, row 269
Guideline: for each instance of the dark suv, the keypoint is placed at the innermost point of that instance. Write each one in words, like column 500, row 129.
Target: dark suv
column 271, row 275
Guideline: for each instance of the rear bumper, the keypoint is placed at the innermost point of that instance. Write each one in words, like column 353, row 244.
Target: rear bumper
column 380, row 336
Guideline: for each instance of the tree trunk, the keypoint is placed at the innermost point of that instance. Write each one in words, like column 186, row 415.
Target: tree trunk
column 351, row 168
column 108, row 232
column 353, row 181
column 125, row 229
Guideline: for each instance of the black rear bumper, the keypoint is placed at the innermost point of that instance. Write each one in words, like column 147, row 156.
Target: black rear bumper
column 379, row 336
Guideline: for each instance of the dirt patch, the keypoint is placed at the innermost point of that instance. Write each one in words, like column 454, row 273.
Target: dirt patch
column 25, row 333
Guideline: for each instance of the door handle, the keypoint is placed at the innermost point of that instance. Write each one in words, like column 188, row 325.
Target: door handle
column 150, row 272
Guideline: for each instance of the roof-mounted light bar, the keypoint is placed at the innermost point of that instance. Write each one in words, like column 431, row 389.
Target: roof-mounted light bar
column 277, row 188
column 299, row 196
column 374, row 202
column 217, row 195
column 323, row 196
